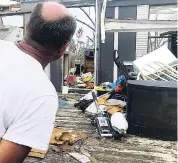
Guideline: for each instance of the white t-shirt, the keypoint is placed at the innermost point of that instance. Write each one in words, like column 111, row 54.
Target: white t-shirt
column 28, row 100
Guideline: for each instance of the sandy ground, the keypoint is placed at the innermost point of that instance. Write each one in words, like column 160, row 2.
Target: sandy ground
column 131, row 149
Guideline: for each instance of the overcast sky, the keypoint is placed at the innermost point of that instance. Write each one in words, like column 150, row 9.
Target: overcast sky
column 18, row 20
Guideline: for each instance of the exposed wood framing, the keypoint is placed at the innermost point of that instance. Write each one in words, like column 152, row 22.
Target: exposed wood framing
column 114, row 25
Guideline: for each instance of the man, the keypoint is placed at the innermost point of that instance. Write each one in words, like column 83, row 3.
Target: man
column 28, row 100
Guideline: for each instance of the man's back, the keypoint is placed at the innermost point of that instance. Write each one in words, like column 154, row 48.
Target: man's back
column 28, row 100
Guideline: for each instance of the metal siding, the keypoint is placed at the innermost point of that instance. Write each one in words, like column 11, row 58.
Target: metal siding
column 1, row 22
column 127, row 41
column 106, row 53
column 56, row 74
column 142, row 37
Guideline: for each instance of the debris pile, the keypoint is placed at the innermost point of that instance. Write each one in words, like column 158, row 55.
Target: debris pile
column 108, row 109
column 84, row 81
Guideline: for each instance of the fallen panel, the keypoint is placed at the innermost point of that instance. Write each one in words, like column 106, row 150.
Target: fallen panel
column 163, row 54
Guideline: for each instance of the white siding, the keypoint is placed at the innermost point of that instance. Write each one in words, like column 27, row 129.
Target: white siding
column 47, row 71
column 142, row 37
column 115, row 72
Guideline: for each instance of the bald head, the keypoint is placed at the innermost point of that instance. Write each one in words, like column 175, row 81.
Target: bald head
column 52, row 11
column 51, row 25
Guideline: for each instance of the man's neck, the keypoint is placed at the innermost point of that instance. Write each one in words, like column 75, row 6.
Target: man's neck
column 36, row 51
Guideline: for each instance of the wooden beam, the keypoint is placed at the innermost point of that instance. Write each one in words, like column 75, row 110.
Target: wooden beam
column 116, row 3
column 115, row 25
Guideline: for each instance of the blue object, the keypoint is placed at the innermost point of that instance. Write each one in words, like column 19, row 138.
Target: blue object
column 64, row 104
column 119, row 80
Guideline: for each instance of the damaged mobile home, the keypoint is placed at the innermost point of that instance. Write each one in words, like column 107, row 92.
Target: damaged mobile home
column 129, row 103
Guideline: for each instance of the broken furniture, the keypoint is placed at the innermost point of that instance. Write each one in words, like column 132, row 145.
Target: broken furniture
column 159, row 64
column 160, row 71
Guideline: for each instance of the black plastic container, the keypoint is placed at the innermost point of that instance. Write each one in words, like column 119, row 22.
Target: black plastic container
column 152, row 109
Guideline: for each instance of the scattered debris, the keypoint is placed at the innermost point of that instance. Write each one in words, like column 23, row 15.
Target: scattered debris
column 64, row 139
column 105, row 106
column 86, row 77
column 110, row 116
column 71, row 79
column 84, row 81
column 159, row 71
column 162, row 54
column 64, row 104
column 88, row 96
column 115, row 102
column 130, row 149
column 65, row 90
column 56, row 149
column 37, row 153
column 82, row 105
column 119, row 123
column 111, row 110
column 80, row 157
column 121, row 79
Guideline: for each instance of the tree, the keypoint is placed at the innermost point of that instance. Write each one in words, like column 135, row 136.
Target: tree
column 77, row 47
column 89, row 43
column 72, row 46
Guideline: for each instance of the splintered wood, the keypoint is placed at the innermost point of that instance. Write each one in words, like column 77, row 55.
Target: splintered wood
column 61, row 138
column 37, row 153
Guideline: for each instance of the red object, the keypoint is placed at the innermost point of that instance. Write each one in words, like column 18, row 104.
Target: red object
column 71, row 79
column 118, row 88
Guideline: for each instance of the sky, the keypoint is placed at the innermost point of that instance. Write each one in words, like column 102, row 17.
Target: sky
column 18, row 20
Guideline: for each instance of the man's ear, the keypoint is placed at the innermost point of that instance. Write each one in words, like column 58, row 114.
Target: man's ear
column 64, row 47
column 61, row 51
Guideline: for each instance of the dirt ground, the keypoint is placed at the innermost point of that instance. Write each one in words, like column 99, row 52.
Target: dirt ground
column 131, row 149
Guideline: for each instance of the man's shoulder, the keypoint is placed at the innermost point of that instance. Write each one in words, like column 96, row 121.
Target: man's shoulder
column 6, row 46
column 42, row 84
column 5, row 42
column 47, row 85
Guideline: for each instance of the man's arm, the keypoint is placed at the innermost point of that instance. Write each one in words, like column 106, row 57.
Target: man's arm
column 32, row 127
column 11, row 152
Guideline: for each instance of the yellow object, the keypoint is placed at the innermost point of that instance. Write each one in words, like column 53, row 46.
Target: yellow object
column 87, row 78
column 114, row 109
column 61, row 136
column 101, row 101
column 100, row 88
